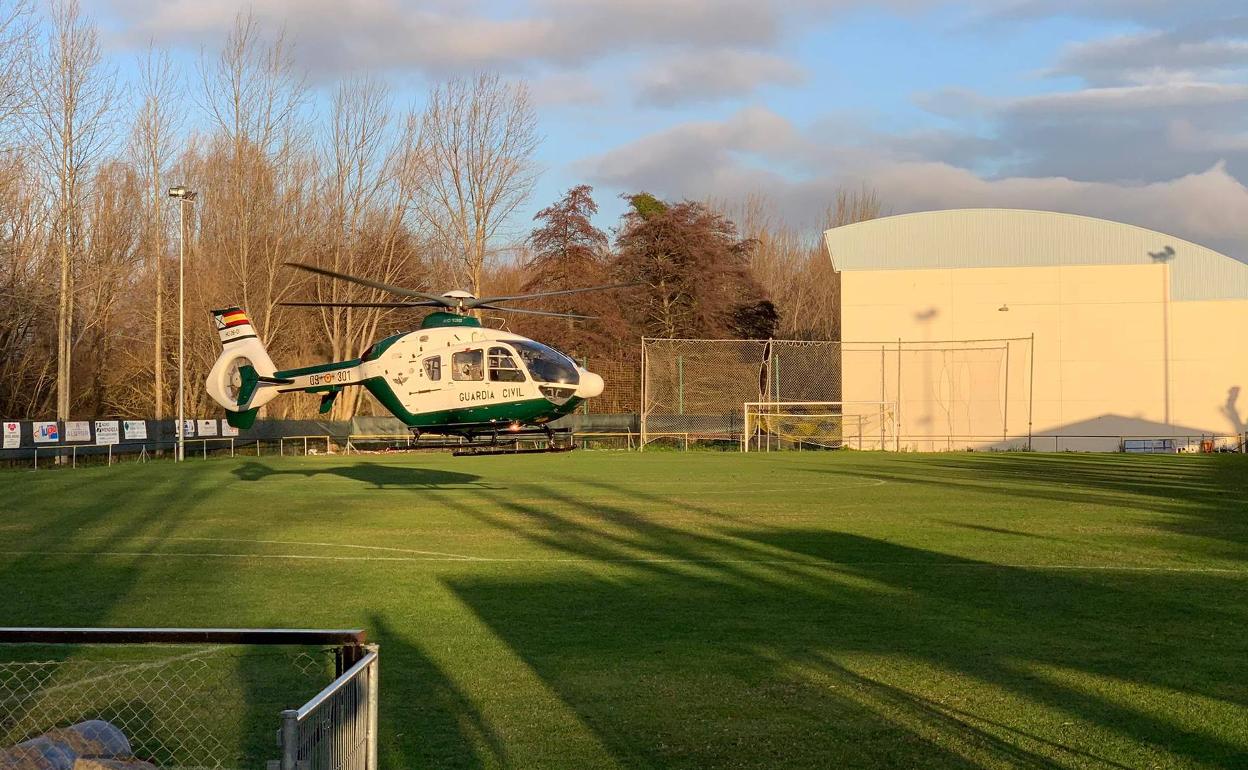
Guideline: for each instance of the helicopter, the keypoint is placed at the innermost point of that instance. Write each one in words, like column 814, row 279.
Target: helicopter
column 452, row 377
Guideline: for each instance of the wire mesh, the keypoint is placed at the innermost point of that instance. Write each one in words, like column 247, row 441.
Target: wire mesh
column 177, row 707
column 949, row 394
column 820, row 425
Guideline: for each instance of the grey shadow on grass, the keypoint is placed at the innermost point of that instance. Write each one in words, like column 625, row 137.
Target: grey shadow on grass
column 427, row 720
column 1202, row 496
column 377, row 475
column 726, row 630
column 56, row 581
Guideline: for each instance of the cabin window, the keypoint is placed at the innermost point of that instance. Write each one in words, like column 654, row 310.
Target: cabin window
column 503, row 367
column 433, row 368
column 468, row 365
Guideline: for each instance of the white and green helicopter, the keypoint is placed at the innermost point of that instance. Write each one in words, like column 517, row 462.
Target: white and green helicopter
column 452, row 377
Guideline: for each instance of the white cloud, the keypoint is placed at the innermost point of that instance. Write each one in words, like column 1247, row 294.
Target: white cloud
column 1207, row 207
column 439, row 37
column 567, row 89
column 759, row 152
column 719, row 74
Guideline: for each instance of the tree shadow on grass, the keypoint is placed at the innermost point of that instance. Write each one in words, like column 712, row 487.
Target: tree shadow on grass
column 1204, row 496
column 741, row 648
column 427, row 721
column 52, row 577
column 375, row 474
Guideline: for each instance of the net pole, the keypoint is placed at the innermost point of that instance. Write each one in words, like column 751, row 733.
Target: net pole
column 1031, row 388
column 642, row 446
column 1005, row 428
column 897, row 415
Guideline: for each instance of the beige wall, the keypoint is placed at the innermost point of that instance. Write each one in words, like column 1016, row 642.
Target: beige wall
column 1103, row 363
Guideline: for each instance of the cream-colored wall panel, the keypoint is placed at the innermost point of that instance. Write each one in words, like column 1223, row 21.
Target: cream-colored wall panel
column 1214, row 329
column 1093, row 284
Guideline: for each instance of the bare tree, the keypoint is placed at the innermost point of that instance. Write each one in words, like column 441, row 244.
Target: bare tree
column 363, row 220
column 72, row 96
column 474, row 152
column 254, row 94
column 152, row 147
column 16, row 40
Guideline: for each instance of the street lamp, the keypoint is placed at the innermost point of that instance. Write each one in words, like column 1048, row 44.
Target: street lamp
column 183, row 196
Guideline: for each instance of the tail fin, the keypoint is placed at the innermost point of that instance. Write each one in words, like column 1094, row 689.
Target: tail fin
column 237, row 378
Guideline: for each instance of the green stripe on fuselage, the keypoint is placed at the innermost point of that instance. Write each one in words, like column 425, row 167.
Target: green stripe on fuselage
column 530, row 411
column 330, row 367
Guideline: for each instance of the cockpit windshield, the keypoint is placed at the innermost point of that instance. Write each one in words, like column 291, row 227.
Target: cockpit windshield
column 546, row 364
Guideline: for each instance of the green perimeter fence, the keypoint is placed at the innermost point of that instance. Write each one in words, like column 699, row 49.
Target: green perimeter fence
column 45, row 444
column 213, row 699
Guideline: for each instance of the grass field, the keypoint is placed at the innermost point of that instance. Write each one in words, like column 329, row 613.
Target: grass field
column 701, row 609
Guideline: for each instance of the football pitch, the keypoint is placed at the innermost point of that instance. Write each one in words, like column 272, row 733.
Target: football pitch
column 697, row 610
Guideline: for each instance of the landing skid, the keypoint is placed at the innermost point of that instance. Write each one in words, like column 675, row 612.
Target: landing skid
column 505, row 442
column 514, row 449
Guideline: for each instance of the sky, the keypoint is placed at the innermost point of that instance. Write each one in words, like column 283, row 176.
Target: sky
column 1132, row 110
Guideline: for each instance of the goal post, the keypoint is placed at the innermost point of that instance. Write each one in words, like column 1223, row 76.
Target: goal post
column 861, row 425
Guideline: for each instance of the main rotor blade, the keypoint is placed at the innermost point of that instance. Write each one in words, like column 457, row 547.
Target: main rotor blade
column 399, row 290
column 484, row 300
column 530, row 312
column 360, row 304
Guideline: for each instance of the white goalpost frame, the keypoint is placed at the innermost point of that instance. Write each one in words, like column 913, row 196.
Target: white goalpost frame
column 747, row 428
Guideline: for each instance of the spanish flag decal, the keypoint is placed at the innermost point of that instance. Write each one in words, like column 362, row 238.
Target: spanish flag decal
column 232, row 318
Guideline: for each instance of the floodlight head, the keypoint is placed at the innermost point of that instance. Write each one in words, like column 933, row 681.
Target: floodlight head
column 181, row 192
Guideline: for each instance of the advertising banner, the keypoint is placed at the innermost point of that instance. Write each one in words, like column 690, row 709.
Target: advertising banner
column 12, row 435
column 135, row 430
column 46, row 433
column 227, row 429
column 78, row 431
column 106, row 433
column 188, row 429
column 207, row 427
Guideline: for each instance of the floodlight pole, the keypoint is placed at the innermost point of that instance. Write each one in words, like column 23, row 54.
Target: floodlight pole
column 183, row 196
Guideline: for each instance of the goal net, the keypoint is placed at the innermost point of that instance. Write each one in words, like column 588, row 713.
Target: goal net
column 861, row 425
column 946, row 395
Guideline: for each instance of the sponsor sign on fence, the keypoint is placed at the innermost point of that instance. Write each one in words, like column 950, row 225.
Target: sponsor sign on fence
column 46, row 433
column 78, row 431
column 207, row 427
column 227, row 429
column 188, row 428
column 106, row 432
column 12, row 435
column 136, row 430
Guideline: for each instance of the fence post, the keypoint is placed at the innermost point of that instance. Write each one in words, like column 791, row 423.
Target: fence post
column 374, row 682
column 289, row 739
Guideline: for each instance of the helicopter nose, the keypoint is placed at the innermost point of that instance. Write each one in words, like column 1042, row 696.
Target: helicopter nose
column 591, row 385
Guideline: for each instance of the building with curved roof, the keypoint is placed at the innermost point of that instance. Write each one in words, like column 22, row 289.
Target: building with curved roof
column 1137, row 334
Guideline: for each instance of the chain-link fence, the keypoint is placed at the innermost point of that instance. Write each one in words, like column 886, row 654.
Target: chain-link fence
column 948, row 395
column 206, row 706
column 862, row 425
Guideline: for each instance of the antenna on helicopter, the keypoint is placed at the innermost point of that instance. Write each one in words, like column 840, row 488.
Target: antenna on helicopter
column 457, row 301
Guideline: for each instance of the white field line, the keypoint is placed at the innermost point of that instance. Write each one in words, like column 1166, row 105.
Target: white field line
column 735, row 488
column 439, row 554
column 811, row 562
column 121, row 668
